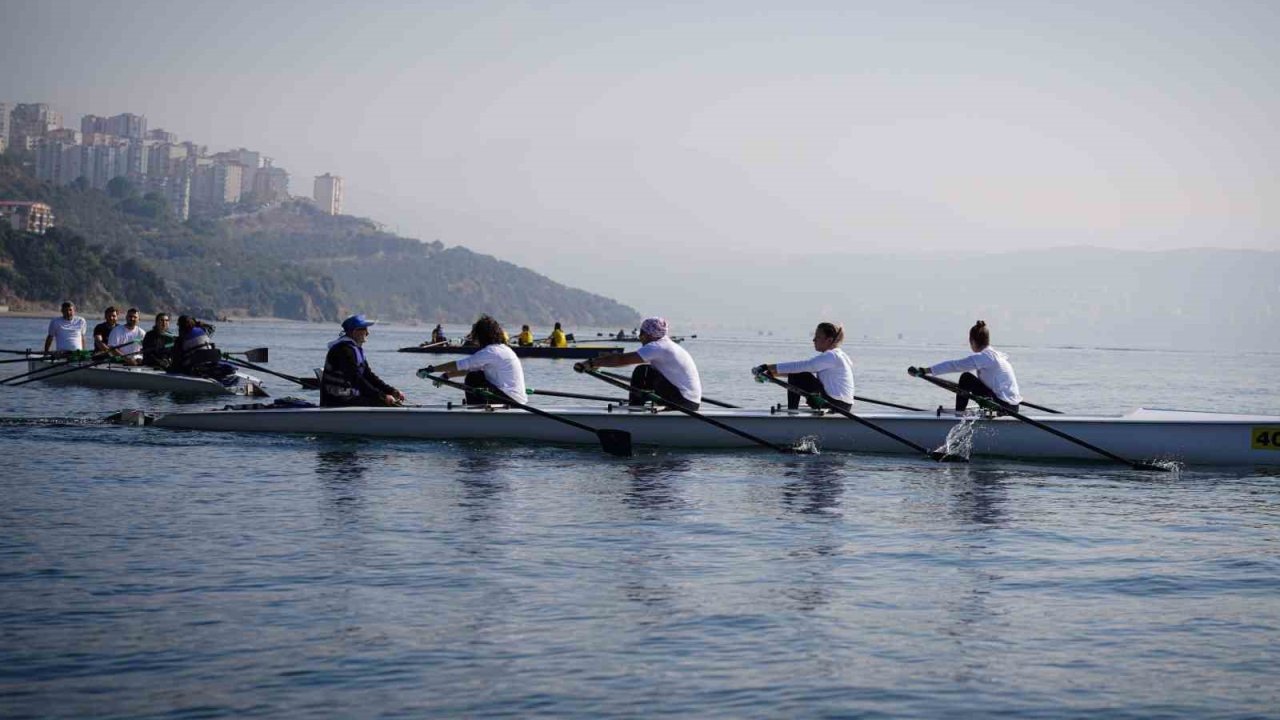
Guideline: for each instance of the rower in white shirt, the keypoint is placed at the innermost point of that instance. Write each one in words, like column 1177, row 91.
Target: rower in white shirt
column 829, row 373
column 125, row 341
column 985, row 373
column 666, row 369
column 67, row 331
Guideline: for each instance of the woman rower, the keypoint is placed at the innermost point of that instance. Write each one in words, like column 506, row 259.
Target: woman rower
column 829, row 373
column 665, row 368
column 986, row 373
column 494, row 367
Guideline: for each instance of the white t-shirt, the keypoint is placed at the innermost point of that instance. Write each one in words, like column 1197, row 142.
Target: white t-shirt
column 501, row 367
column 68, row 334
column 121, row 335
column 992, row 368
column 833, row 368
column 676, row 366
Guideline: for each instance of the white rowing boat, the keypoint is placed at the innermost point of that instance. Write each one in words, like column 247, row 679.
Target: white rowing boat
column 137, row 377
column 1151, row 435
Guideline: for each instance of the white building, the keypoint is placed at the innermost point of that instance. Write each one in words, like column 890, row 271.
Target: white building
column 328, row 193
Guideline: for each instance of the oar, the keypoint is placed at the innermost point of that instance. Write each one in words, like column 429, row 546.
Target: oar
column 433, row 344
column 75, row 357
column 19, row 352
column 821, row 401
column 306, row 383
column 258, row 355
column 859, row 398
column 994, row 406
column 64, row 370
column 956, row 388
column 707, row 400
column 18, row 360
column 691, row 413
column 614, row 442
column 576, row 396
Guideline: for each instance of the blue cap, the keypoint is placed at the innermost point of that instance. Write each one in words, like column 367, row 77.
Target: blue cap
column 355, row 322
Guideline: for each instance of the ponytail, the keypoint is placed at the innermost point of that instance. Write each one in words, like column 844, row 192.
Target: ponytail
column 832, row 330
column 979, row 334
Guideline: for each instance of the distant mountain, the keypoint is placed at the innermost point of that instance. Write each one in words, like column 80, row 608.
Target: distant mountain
column 290, row 261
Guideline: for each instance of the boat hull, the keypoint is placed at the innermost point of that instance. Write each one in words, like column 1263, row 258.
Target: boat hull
column 125, row 377
column 1144, row 435
column 578, row 352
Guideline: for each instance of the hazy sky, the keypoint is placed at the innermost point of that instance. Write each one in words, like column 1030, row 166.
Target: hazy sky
column 573, row 136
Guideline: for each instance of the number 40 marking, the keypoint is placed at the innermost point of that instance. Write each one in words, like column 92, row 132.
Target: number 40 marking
column 1266, row 437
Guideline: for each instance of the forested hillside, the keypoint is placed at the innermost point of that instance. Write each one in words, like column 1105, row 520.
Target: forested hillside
column 289, row 261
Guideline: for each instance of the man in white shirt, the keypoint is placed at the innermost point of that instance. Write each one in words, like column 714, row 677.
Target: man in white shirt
column 125, row 341
column 666, row 369
column 67, row 330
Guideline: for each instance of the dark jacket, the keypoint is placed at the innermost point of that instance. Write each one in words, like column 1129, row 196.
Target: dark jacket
column 347, row 378
column 194, row 353
column 155, row 348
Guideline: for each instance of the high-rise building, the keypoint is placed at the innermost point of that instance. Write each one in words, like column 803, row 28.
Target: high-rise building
column 270, row 184
column 127, row 125
column 328, row 193
column 66, row 135
column 249, row 161
column 91, row 124
column 29, row 122
column 4, row 126
column 215, row 185
column 161, row 136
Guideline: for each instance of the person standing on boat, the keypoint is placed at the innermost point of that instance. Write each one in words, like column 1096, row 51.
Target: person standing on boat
column 156, row 343
column 347, row 379
column 102, row 331
column 525, row 338
column 66, row 331
column 557, row 338
column 665, row 368
column 125, row 341
column 985, row 373
column 829, row 373
column 494, row 367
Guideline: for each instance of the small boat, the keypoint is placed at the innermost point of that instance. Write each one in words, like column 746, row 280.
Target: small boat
column 140, row 377
column 1197, row 438
column 577, row 352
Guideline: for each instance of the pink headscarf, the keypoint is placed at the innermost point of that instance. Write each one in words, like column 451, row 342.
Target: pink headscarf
column 654, row 327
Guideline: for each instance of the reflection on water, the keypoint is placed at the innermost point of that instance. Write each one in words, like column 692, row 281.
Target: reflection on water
column 650, row 487
column 815, row 486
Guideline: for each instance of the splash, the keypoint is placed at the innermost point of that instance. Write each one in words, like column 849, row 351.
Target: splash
column 807, row 445
column 959, row 440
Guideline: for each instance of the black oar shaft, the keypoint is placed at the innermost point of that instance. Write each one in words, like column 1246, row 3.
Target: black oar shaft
column 866, row 423
column 705, row 399
column 614, row 442
column 873, row 401
column 306, row 383
column 612, row 380
column 78, row 356
column 62, row 370
column 955, row 388
column 576, row 396
column 1001, row 407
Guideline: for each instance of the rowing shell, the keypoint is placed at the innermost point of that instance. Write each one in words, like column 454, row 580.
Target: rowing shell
column 1154, row 435
column 537, row 351
column 139, row 377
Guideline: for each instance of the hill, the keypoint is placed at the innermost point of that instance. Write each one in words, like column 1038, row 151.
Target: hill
column 289, row 261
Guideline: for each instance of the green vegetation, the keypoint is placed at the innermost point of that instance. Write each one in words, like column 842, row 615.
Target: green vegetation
column 289, row 261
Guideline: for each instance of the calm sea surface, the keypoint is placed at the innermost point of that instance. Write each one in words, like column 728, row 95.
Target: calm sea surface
column 151, row 573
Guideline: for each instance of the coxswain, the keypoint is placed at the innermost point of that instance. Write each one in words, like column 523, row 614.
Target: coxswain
column 437, row 335
column 66, row 333
column 557, row 338
column 494, row 367
column 829, row 374
column 986, row 373
column 156, row 343
column 665, row 368
column 347, row 379
column 194, row 353
column 102, row 331
column 125, row 341
column 525, row 338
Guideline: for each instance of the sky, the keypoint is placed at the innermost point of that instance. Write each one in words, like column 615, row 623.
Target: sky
column 601, row 142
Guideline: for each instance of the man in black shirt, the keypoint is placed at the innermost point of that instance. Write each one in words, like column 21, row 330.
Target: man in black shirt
column 156, row 343
column 102, row 331
column 347, row 379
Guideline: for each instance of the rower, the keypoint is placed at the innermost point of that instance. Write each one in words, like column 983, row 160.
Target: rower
column 986, row 373
column 102, row 331
column 828, row 374
column 525, row 338
column 665, row 368
column 156, row 343
column 494, row 367
column 125, row 341
column 557, row 338
column 194, row 353
column 347, row 379
column 437, row 335
column 67, row 331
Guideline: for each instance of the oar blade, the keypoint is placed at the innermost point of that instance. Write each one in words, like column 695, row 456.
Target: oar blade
column 948, row 457
column 309, row 383
column 257, row 355
column 615, row 442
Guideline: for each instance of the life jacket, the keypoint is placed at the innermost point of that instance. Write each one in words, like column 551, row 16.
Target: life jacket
column 198, row 349
column 336, row 385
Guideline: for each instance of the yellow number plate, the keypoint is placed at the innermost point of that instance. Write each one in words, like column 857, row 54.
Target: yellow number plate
column 1266, row 437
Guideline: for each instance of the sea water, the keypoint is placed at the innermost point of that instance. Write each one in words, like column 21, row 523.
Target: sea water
column 153, row 573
